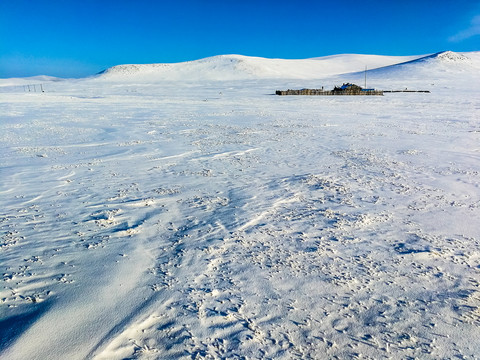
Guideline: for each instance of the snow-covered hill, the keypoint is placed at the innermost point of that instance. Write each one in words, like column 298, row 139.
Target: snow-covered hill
column 238, row 67
column 28, row 80
column 383, row 71
column 446, row 70
column 442, row 61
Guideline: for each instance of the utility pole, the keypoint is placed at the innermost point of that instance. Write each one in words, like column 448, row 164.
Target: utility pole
column 365, row 76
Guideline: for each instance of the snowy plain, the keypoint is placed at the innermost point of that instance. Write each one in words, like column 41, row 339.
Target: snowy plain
column 183, row 211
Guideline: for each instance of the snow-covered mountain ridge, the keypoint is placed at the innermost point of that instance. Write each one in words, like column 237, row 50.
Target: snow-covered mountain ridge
column 456, row 67
column 239, row 67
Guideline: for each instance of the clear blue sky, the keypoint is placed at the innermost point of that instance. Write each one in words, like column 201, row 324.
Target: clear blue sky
column 74, row 38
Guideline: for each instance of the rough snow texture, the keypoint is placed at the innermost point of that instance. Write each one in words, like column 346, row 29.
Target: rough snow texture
column 212, row 220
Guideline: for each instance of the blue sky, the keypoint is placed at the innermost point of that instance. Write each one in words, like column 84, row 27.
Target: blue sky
column 70, row 38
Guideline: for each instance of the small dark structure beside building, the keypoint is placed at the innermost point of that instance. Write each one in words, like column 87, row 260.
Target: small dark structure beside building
column 345, row 89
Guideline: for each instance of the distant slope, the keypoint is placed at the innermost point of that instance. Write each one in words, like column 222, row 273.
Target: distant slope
column 238, row 67
column 446, row 71
column 28, row 80
column 343, row 67
column 441, row 64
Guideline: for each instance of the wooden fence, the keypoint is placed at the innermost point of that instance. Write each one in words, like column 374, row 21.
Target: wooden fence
column 327, row 92
column 407, row 91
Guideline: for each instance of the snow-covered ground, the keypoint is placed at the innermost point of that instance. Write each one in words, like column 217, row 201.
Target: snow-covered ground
column 167, row 214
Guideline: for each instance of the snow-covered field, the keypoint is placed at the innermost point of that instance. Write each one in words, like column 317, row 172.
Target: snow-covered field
column 160, row 212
